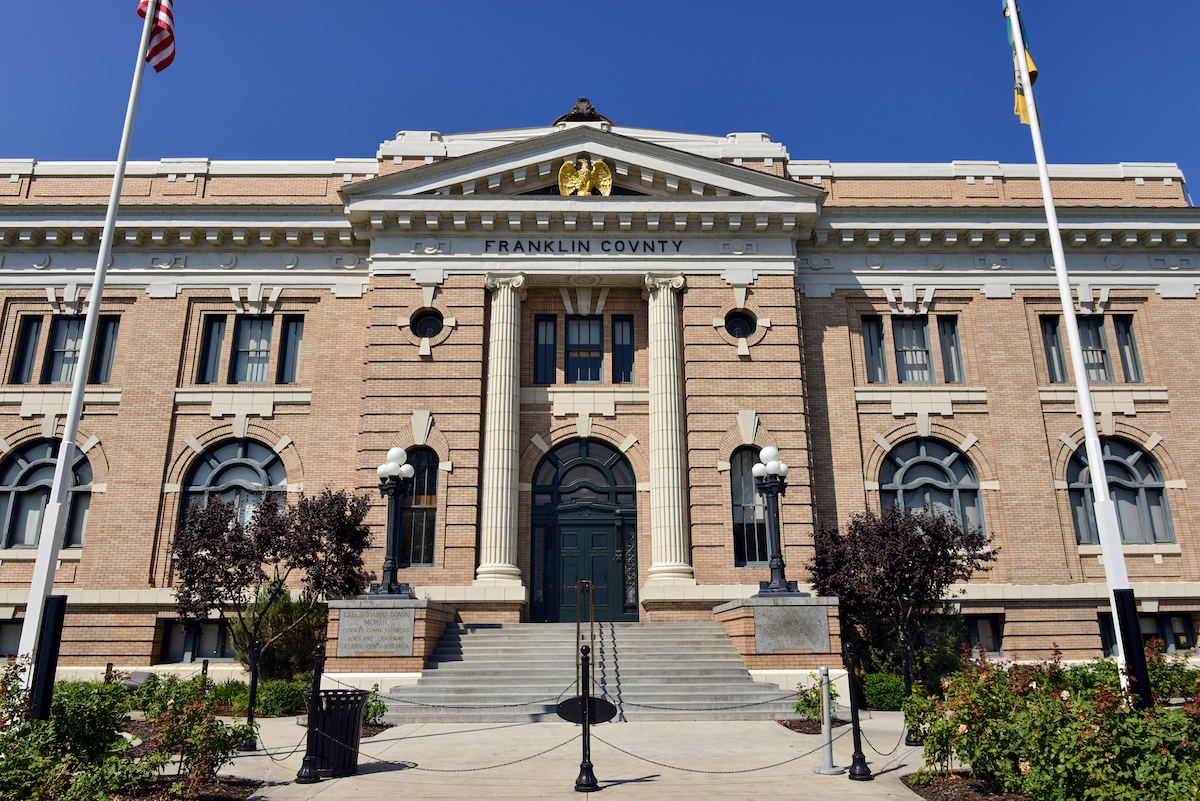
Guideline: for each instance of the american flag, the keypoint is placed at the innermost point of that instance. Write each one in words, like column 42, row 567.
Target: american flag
column 162, row 41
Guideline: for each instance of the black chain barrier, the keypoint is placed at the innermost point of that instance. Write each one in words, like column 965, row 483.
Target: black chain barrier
column 414, row 766
column 876, row 750
column 716, row 772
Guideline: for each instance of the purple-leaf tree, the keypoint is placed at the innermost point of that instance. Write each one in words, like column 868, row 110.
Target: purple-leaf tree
column 244, row 564
column 895, row 570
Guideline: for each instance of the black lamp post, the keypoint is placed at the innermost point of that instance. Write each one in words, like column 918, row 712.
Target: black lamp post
column 395, row 478
column 769, row 474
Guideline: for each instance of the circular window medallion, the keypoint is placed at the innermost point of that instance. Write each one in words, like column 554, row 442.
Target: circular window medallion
column 740, row 325
column 427, row 324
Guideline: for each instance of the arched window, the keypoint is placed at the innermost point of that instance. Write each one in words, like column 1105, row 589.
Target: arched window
column 749, row 511
column 1135, row 485
column 26, row 477
column 420, row 509
column 237, row 471
column 927, row 471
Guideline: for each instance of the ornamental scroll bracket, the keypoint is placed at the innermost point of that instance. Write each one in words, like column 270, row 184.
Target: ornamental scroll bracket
column 514, row 281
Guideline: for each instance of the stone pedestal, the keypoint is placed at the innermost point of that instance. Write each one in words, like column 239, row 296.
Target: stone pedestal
column 384, row 635
column 787, row 633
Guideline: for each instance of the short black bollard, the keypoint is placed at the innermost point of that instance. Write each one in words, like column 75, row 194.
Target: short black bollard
column 108, row 676
column 204, row 668
column 586, row 783
column 859, row 771
column 309, row 773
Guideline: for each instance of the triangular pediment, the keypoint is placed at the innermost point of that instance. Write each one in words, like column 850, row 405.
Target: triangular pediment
column 530, row 167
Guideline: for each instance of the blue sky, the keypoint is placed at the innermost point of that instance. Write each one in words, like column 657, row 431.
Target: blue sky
column 855, row 80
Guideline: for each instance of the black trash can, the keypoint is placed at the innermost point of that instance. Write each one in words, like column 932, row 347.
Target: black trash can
column 338, row 719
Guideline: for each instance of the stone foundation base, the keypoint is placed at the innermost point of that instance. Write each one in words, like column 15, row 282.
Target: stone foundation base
column 788, row 633
column 430, row 619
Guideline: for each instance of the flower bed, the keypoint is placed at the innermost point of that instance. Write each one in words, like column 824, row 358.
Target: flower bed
column 1062, row 733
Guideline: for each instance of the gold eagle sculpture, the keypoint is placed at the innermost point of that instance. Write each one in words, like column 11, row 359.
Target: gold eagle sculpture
column 583, row 180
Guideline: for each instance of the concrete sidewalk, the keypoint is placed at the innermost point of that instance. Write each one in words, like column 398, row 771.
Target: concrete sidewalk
column 436, row 758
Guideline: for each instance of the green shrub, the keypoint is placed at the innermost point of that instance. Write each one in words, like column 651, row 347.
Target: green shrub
column 154, row 693
column 187, row 726
column 376, row 708
column 292, row 654
column 275, row 699
column 882, row 691
column 1025, row 728
column 808, row 699
column 227, row 692
column 76, row 755
column 1170, row 676
column 89, row 714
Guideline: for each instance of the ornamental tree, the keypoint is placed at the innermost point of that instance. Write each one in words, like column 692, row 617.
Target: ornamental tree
column 247, row 563
column 894, row 571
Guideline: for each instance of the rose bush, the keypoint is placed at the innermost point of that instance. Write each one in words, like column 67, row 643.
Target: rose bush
column 1058, row 733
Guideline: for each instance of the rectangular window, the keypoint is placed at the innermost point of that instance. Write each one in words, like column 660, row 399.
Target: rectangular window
column 66, row 335
column 1055, row 361
column 913, row 364
column 1125, row 343
column 252, row 351
column 106, row 348
column 289, row 349
column 872, row 329
column 952, row 368
column 986, row 632
column 585, row 349
column 213, row 641
column 1095, row 350
column 622, row 350
column 210, row 349
column 27, row 341
column 10, row 639
column 545, row 349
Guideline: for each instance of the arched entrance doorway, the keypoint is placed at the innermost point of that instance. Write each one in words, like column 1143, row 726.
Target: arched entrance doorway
column 584, row 527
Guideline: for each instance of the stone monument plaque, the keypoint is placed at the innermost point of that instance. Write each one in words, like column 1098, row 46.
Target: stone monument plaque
column 791, row 628
column 375, row 630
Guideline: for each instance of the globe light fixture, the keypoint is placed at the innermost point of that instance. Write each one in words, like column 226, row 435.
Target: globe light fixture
column 769, row 473
column 395, row 478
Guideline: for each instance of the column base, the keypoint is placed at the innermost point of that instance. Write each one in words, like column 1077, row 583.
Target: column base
column 497, row 574
column 678, row 573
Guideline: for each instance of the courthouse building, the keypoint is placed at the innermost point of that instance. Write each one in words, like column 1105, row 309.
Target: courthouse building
column 582, row 383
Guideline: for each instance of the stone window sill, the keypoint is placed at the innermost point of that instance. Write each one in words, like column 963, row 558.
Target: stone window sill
column 1133, row 549
column 30, row 555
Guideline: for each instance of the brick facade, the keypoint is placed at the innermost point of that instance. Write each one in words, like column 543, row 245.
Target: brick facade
column 359, row 249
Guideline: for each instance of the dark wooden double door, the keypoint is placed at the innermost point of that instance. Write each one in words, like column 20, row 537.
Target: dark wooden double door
column 594, row 543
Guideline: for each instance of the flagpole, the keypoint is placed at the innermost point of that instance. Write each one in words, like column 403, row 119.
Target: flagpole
column 54, row 519
column 1105, row 509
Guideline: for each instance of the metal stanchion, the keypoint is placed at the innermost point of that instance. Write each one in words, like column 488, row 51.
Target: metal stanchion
column 108, row 676
column 827, row 768
column 859, row 771
column 586, row 782
column 309, row 772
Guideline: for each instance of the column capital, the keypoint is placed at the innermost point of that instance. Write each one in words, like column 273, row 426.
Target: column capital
column 514, row 281
column 657, row 281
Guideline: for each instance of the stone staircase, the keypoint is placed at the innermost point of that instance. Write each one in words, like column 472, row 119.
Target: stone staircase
column 649, row 671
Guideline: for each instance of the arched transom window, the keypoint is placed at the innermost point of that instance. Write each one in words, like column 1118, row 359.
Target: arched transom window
column 237, row 471
column 928, row 471
column 26, row 477
column 1135, row 485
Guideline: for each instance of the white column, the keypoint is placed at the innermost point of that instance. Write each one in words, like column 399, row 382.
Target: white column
column 498, row 521
column 668, row 477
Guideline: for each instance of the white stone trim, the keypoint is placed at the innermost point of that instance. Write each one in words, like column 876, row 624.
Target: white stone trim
column 1111, row 401
column 54, row 402
column 242, row 401
column 1069, row 592
column 1135, row 549
column 926, row 399
column 598, row 400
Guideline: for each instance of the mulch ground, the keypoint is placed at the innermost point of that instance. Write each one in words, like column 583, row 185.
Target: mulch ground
column 961, row 787
column 227, row 788
column 809, row 726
